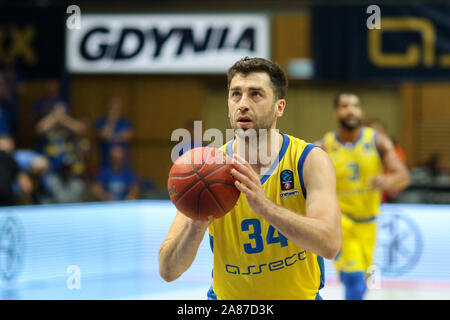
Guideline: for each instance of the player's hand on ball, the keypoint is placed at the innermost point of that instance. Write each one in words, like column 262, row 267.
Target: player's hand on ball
column 248, row 182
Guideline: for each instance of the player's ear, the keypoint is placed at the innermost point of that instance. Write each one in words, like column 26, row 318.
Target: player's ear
column 280, row 105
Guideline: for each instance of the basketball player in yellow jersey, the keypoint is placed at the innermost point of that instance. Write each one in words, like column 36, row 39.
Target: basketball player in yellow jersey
column 359, row 155
column 271, row 244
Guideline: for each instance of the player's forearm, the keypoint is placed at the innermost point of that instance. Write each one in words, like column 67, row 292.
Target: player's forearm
column 393, row 181
column 178, row 250
column 400, row 180
column 311, row 234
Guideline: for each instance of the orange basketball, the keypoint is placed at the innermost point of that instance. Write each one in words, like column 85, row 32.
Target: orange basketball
column 200, row 184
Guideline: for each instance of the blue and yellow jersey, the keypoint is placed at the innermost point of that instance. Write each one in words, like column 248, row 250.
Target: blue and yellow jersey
column 252, row 260
column 356, row 164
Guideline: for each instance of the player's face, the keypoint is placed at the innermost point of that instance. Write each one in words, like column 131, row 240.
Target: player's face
column 251, row 102
column 349, row 113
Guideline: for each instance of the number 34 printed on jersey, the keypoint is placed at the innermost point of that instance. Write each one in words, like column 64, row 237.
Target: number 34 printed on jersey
column 257, row 243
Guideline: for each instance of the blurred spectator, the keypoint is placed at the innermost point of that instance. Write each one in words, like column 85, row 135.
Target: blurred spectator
column 113, row 129
column 60, row 134
column 10, row 174
column 52, row 99
column 36, row 167
column 4, row 123
column 117, row 181
column 434, row 165
column 8, row 109
column 63, row 186
column 13, row 76
column 15, row 88
column 87, row 149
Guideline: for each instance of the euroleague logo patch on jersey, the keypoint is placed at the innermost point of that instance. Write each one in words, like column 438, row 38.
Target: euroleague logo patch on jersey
column 287, row 180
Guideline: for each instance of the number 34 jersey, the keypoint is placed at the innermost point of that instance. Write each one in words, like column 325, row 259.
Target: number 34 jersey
column 356, row 165
column 252, row 259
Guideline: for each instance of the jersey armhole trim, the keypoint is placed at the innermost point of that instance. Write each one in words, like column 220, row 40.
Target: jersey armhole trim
column 301, row 161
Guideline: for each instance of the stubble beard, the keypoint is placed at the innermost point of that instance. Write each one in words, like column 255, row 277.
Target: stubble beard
column 258, row 139
column 350, row 126
column 265, row 123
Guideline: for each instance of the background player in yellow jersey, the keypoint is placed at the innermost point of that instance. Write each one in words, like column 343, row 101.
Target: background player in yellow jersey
column 360, row 155
column 271, row 244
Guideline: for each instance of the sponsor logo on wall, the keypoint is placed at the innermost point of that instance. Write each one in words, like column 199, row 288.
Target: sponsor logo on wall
column 11, row 248
column 165, row 43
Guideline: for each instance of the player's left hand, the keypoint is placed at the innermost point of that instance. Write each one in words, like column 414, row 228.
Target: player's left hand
column 248, row 182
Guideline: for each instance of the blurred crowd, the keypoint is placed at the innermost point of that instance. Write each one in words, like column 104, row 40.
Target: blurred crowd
column 58, row 166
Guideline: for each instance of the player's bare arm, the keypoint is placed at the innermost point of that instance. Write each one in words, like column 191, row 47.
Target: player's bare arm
column 320, row 230
column 179, row 248
column 397, row 178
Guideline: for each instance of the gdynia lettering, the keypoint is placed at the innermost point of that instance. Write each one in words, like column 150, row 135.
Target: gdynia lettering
column 106, row 43
column 143, row 43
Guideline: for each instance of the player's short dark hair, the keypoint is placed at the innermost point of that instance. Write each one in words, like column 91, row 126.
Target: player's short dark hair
column 248, row 65
column 337, row 98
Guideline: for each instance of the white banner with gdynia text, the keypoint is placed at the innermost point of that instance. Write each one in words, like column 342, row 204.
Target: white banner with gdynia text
column 165, row 43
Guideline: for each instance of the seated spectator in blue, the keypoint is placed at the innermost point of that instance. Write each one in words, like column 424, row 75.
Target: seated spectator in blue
column 113, row 129
column 60, row 135
column 14, row 86
column 11, row 176
column 52, row 98
column 63, row 186
column 50, row 101
column 4, row 123
column 8, row 110
column 13, row 76
column 31, row 161
column 36, row 167
column 117, row 181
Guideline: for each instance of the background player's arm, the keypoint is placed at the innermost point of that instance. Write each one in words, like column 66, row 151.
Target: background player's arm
column 320, row 230
column 180, row 246
column 397, row 177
